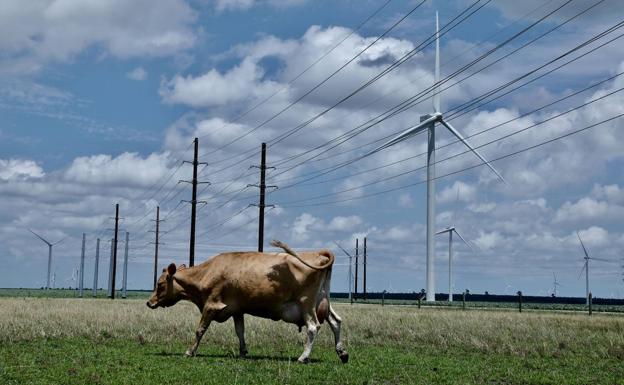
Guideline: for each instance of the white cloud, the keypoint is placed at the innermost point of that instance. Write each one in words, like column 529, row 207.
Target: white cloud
column 233, row 5
column 459, row 190
column 19, row 169
column 344, row 223
column 584, row 209
column 34, row 34
column 302, row 226
column 214, row 88
column 138, row 74
column 125, row 169
column 612, row 193
column 593, row 236
column 489, row 240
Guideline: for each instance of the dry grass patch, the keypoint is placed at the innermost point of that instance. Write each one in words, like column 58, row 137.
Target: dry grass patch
column 524, row 334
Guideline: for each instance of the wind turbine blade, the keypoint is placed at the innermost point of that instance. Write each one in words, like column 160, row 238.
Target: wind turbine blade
column 40, row 237
column 462, row 238
column 59, row 241
column 582, row 244
column 343, row 250
column 461, row 138
column 455, row 208
column 405, row 134
column 582, row 270
column 602, row 260
column 443, row 231
column 436, row 95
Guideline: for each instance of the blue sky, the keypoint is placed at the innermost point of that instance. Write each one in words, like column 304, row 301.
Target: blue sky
column 100, row 102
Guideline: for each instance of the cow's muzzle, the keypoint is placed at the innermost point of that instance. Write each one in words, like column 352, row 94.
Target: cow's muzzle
column 154, row 306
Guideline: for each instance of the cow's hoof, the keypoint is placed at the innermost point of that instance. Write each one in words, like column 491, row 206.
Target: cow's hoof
column 305, row 360
column 344, row 357
column 243, row 353
column 189, row 354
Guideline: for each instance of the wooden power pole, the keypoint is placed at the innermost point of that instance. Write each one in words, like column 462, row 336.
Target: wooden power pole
column 156, row 244
column 261, row 204
column 357, row 252
column 115, row 251
column 193, row 200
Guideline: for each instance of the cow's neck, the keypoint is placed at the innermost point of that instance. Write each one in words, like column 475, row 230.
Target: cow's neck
column 188, row 280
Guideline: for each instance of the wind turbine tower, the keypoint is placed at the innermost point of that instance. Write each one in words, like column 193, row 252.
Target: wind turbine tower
column 428, row 122
column 49, row 254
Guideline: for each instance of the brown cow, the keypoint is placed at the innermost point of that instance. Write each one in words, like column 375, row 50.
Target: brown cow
column 281, row 286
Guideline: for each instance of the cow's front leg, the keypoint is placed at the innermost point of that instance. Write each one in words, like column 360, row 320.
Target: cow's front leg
column 239, row 325
column 204, row 322
column 312, row 325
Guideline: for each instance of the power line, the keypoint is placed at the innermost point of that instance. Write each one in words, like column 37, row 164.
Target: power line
column 291, row 81
column 318, row 85
column 334, row 168
column 461, row 170
column 410, row 102
column 510, row 82
column 384, row 72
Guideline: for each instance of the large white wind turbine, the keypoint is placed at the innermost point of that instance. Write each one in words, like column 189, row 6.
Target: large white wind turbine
column 586, row 267
column 428, row 122
column 49, row 254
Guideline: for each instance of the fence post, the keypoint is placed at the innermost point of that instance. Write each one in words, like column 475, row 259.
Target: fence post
column 590, row 303
column 519, row 301
column 419, row 297
column 464, row 301
column 383, row 297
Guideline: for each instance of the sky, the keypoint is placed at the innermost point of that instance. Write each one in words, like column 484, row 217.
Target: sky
column 100, row 102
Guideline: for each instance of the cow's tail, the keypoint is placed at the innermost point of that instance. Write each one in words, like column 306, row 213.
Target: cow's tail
column 322, row 302
column 288, row 250
column 322, row 307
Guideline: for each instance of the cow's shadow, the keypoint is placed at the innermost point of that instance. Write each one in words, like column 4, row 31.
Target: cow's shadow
column 249, row 357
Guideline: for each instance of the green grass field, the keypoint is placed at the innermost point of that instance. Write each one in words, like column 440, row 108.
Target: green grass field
column 74, row 341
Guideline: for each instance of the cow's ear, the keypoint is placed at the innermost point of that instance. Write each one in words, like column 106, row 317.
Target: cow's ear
column 171, row 269
column 182, row 267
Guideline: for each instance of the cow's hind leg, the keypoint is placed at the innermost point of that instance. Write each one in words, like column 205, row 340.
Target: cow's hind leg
column 334, row 323
column 312, row 324
column 239, row 325
column 204, row 322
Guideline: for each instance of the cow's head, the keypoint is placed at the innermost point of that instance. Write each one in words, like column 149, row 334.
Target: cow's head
column 167, row 291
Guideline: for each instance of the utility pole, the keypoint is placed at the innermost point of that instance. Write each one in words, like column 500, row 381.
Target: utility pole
column 357, row 251
column 364, row 287
column 82, row 255
column 193, row 200
column 156, row 243
column 125, row 271
column 95, row 271
column 110, row 269
column 115, row 251
column 261, row 205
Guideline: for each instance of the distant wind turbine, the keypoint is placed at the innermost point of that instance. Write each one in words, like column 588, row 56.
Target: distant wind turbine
column 428, row 122
column 450, row 230
column 586, row 267
column 350, row 264
column 49, row 254
column 555, row 284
